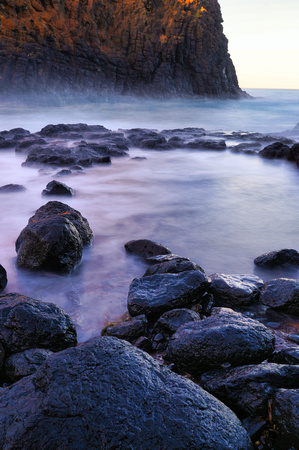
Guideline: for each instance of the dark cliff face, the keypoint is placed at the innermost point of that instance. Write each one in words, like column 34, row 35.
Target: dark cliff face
column 147, row 47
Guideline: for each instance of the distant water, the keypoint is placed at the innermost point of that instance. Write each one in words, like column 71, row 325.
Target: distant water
column 217, row 208
column 271, row 110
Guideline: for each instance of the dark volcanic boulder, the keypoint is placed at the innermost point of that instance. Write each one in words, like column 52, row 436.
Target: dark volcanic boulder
column 173, row 264
column 146, row 248
column 58, row 188
column 27, row 323
column 286, row 257
column 162, row 292
column 53, row 239
column 281, row 293
column 129, row 330
column 105, row 394
column 12, row 188
column 235, row 290
column 25, row 363
column 224, row 337
column 286, row 418
column 247, row 389
column 146, row 47
column 275, row 150
column 3, row 278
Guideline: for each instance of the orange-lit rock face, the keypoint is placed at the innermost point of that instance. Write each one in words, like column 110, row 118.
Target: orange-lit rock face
column 139, row 46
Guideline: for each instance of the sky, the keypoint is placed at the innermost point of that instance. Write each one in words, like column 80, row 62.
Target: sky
column 263, row 40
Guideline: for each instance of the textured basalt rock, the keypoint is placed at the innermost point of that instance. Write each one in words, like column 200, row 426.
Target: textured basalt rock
column 28, row 323
column 54, row 238
column 224, row 337
column 107, row 394
column 143, row 47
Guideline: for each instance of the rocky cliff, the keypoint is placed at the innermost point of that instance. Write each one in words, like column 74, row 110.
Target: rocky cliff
column 147, row 47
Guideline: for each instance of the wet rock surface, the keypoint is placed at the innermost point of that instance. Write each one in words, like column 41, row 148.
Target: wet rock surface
column 146, row 248
column 173, row 264
column 3, row 278
column 53, row 239
column 286, row 416
column 247, row 389
column 224, row 337
column 144, row 48
column 281, row 293
column 158, row 293
column 76, row 400
column 128, row 330
column 27, row 323
column 58, row 188
column 25, row 363
column 235, row 290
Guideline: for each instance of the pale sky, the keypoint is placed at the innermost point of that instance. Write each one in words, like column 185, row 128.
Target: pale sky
column 263, row 40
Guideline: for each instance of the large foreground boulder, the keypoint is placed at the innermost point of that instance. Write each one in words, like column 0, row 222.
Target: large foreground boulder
column 224, row 337
column 27, row 323
column 158, row 293
column 53, row 239
column 107, row 394
column 282, row 294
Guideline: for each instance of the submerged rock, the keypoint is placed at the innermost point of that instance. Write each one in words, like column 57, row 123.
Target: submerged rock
column 158, row 293
column 53, row 239
column 28, row 323
column 105, row 393
column 235, row 290
column 146, row 248
column 247, row 389
column 284, row 258
column 12, row 188
column 283, row 294
column 275, row 150
column 224, row 337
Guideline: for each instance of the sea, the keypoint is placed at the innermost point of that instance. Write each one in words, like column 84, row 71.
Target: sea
column 220, row 209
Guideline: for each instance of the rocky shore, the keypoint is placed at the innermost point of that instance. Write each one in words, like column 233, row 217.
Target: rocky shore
column 188, row 366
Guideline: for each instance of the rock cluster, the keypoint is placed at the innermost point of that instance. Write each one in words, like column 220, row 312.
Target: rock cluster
column 156, row 48
column 229, row 354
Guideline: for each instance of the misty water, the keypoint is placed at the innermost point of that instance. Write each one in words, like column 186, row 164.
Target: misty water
column 220, row 209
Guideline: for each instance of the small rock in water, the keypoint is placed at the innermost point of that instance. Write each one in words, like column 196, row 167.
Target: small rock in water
column 12, row 188
column 283, row 258
column 57, row 188
column 146, row 248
